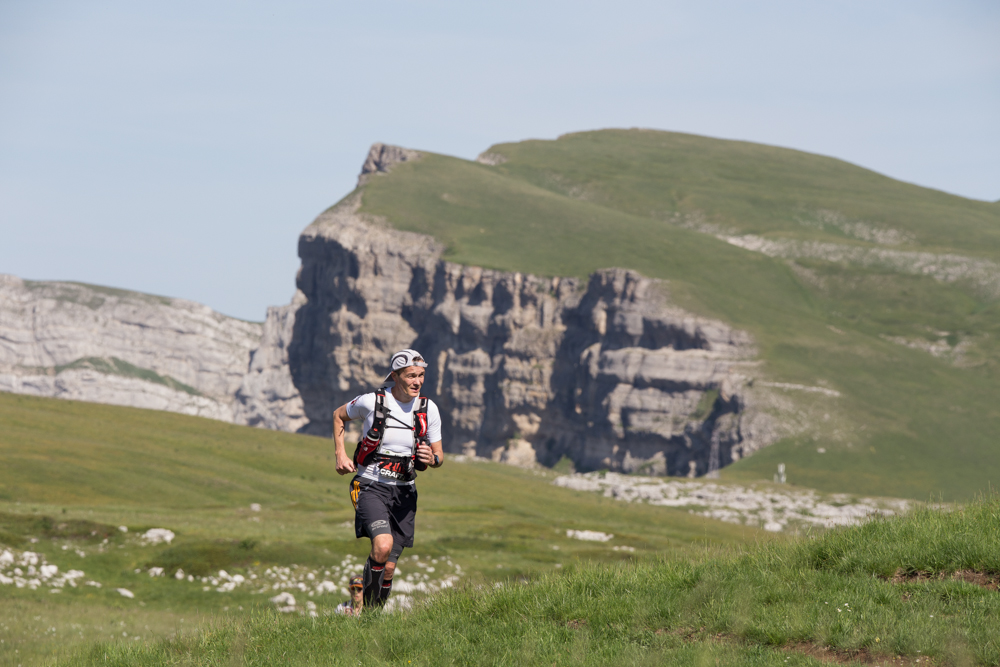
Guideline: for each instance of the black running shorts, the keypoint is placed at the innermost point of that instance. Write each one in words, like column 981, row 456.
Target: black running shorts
column 381, row 509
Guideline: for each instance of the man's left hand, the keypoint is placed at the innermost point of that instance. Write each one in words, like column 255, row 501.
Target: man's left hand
column 425, row 454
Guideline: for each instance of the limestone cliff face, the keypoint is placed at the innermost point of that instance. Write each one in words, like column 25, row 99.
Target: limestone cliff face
column 267, row 397
column 90, row 343
column 524, row 369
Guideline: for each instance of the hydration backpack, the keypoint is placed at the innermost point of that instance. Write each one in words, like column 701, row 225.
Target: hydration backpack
column 399, row 467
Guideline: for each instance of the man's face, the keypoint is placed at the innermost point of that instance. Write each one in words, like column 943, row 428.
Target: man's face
column 410, row 380
column 357, row 594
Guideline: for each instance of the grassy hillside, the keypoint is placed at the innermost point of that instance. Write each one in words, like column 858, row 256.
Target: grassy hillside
column 908, row 423
column 750, row 187
column 913, row 590
column 72, row 473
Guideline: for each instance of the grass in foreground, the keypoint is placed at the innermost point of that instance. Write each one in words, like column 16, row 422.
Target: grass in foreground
column 72, row 473
column 759, row 605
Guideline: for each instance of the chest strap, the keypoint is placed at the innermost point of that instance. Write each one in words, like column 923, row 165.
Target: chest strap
column 367, row 452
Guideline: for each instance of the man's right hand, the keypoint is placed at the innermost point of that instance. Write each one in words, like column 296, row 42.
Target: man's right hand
column 345, row 465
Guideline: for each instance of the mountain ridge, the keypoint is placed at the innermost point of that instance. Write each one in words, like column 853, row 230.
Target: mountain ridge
column 871, row 304
column 908, row 347
column 109, row 345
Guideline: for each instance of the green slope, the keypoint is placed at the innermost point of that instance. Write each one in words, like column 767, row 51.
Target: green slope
column 71, row 473
column 750, row 187
column 908, row 424
column 905, row 591
column 129, row 461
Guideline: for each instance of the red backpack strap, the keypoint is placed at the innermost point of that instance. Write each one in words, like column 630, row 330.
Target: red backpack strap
column 420, row 420
column 371, row 441
column 419, row 430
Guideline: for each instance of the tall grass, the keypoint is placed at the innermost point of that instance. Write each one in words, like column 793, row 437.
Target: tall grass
column 762, row 604
column 929, row 540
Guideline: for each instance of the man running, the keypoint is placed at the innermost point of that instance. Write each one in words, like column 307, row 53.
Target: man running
column 401, row 434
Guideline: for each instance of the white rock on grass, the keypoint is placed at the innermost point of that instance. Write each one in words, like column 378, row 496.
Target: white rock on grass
column 285, row 602
column 284, row 583
column 769, row 508
column 399, row 603
column 125, row 593
column 27, row 569
column 327, row 587
column 226, row 582
column 158, row 536
column 589, row 535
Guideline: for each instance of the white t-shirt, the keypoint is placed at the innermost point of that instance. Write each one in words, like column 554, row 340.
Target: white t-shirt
column 398, row 438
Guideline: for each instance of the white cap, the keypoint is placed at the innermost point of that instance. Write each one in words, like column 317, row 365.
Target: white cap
column 405, row 358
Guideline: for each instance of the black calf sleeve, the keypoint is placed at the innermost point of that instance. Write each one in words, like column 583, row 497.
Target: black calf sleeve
column 384, row 593
column 374, row 573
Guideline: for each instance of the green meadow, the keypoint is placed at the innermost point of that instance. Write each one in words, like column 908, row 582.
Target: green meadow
column 73, row 473
column 493, row 577
column 670, row 587
column 914, row 590
column 907, row 423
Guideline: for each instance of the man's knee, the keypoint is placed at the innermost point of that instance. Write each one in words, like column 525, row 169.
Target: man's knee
column 390, row 567
column 381, row 546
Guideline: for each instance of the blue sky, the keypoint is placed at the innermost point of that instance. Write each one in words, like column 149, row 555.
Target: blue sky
column 179, row 148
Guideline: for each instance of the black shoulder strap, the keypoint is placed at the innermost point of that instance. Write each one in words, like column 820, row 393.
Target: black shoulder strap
column 380, row 414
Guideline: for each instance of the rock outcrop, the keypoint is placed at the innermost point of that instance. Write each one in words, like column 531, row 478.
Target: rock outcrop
column 91, row 343
column 604, row 371
column 526, row 369
column 381, row 158
column 267, row 397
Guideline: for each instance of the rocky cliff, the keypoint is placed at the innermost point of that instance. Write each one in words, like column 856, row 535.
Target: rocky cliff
column 604, row 371
column 267, row 397
column 91, row 343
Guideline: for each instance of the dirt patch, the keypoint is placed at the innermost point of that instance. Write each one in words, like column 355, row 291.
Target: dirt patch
column 576, row 623
column 691, row 633
column 988, row 580
column 848, row 657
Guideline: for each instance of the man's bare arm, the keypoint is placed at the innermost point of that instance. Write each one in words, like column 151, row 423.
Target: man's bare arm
column 344, row 462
